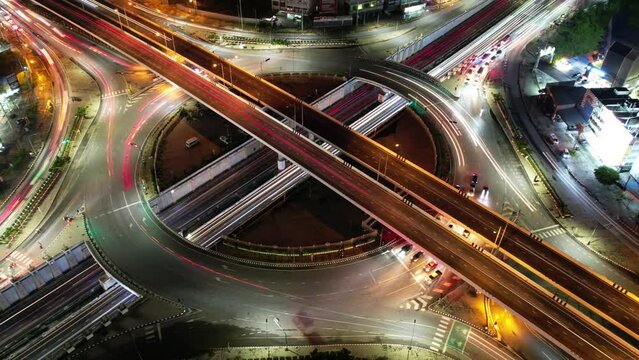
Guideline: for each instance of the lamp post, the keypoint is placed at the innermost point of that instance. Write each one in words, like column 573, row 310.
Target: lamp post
column 119, row 19
column 411, row 339
column 157, row 33
column 239, row 9
column 262, row 62
column 126, row 17
column 277, row 322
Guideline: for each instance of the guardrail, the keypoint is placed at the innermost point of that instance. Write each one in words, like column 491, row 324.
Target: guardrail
column 37, row 278
column 414, row 46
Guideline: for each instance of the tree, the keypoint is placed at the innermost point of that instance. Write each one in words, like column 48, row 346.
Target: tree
column 606, row 175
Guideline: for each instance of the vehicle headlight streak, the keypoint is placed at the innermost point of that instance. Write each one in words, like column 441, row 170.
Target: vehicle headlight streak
column 457, row 112
column 439, row 116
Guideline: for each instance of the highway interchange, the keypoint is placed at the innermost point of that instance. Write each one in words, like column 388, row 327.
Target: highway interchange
column 124, row 226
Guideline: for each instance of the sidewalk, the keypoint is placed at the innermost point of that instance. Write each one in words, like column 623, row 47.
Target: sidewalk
column 358, row 351
column 85, row 88
column 619, row 206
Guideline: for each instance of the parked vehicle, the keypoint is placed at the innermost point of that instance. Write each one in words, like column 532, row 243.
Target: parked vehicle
column 430, row 266
column 433, row 276
column 191, row 142
column 418, row 255
column 406, row 248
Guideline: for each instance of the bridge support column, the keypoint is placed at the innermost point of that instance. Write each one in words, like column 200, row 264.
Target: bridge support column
column 4, row 303
column 281, row 163
column 37, row 278
column 20, row 290
column 55, row 268
column 71, row 260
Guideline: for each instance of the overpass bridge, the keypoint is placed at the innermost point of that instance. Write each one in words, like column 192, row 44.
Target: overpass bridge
column 517, row 295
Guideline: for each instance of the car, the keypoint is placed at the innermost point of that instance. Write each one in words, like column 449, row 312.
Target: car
column 67, row 219
column 457, row 186
column 484, row 190
column 504, row 40
column 417, row 256
column 406, row 248
column 566, row 154
column 432, row 264
column 553, row 138
column 433, row 276
column 474, row 180
column 575, row 75
column 499, row 52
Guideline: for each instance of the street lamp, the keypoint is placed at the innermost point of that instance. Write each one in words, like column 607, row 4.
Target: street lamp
column 262, row 62
column 241, row 15
column 119, row 19
column 277, row 322
column 166, row 45
column 411, row 339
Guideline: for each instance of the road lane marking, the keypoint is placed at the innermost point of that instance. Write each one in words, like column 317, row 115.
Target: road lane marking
column 546, row 228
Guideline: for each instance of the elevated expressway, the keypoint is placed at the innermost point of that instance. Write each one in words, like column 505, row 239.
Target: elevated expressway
column 236, row 215
column 550, row 317
column 593, row 291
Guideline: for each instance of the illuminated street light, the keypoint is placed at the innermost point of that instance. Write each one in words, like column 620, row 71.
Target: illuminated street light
column 166, row 45
column 194, row 2
column 119, row 19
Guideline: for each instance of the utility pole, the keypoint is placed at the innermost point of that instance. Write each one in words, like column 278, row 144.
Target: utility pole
column 411, row 339
column 119, row 19
column 240, row 12
column 277, row 322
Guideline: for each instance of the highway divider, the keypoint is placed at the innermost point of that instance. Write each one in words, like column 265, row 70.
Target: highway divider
column 303, row 253
column 11, row 232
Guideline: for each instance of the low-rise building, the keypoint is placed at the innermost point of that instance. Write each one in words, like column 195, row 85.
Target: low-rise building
column 609, row 118
column 301, row 7
column 621, row 62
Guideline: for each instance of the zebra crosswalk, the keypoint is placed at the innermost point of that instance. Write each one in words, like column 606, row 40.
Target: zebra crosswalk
column 416, row 304
column 131, row 101
column 441, row 332
column 111, row 94
column 548, row 233
column 20, row 259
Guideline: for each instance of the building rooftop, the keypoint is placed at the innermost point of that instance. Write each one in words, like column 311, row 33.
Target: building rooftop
column 609, row 96
column 622, row 32
column 565, row 93
column 572, row 117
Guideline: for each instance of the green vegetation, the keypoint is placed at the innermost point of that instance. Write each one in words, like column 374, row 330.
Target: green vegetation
column 213, row 37
column 606, row 175
column 523, row 145
column 418, row 108
column 284, row 42
column 8, row 233
column 581, row 33
column 32, row 112
column 18, row 158
column 59, row 162
column 81, row 112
